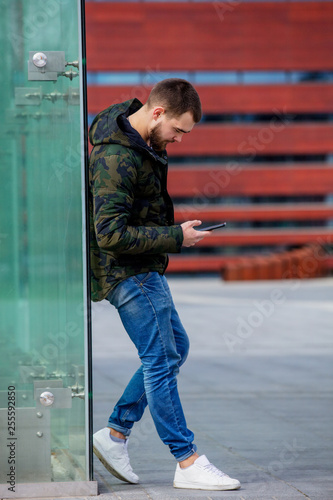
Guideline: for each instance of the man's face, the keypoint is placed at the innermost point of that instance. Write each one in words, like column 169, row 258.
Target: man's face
column 170, row 129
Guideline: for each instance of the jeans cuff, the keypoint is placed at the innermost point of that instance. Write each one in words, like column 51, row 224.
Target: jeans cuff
column 118, row 428
column 187, row 455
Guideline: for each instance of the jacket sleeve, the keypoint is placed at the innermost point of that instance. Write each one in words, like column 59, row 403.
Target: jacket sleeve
column 113, row 180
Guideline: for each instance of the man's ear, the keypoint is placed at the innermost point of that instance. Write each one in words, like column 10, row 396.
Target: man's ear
column 158, row 111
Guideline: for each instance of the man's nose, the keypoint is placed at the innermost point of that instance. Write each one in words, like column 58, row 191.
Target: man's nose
column 178, row 138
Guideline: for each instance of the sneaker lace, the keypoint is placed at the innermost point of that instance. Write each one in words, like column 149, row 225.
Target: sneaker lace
column 214, row 470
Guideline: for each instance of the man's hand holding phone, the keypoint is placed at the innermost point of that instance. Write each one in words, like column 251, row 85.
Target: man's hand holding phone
column 193, row 235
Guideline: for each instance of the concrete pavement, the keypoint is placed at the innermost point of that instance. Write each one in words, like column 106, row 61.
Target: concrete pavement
column 256, row 390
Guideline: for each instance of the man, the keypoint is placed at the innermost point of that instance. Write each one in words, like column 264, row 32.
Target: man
column 133, row 229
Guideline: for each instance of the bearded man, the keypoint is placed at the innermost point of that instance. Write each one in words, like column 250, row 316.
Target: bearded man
column 133, row 230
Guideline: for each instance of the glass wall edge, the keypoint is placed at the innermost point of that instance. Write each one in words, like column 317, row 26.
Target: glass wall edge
column 85, row 236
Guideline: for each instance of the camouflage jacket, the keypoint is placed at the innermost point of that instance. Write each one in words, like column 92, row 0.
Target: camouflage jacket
column 131, row 214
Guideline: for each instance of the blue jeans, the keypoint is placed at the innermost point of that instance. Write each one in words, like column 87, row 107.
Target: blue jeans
column 149, row 316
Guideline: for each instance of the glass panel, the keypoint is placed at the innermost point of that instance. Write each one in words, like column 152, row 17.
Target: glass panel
column 42, row 279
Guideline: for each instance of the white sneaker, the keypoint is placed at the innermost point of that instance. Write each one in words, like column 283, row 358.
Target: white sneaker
column 114, row 456
column 202, row 475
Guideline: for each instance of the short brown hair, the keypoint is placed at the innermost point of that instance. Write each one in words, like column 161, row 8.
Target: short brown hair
column 177, row 96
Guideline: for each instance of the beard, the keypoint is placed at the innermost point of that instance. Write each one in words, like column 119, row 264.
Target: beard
column 155, row 139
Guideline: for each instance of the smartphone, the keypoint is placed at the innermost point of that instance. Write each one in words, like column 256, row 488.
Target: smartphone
column 211, row 228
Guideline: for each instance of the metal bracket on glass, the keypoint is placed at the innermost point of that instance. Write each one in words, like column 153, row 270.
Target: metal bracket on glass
column 29, row 450
column 75, row 64
column 28, row 96
column 45, row 66
column 22, row 117
column 48, row 65
column 80, row 395
column 69, row 74
column 52, row 394
column 72, row 96
column 78, row 391
column 53, row 397
column 25, row 96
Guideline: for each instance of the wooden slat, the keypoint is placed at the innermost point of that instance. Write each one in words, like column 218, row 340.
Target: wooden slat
column 212, row 263
column 253, row 212
column 289, row 98
column 201, row 36
column 251, row 141
column 203, row 183
column 329, row 262
column 102, row 96
column 272, row 138
column 197, row 263
column 259, row 237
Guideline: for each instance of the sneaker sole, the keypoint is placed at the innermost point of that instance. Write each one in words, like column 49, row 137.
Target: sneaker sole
column 110, row 468
column 189, row 486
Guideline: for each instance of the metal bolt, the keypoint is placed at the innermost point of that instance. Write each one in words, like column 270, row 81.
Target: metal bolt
column 46, row 398
column 39, row 434
column 39, row 59
column 39, row 414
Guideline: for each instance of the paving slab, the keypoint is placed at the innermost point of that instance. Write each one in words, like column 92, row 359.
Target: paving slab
column 256, row 390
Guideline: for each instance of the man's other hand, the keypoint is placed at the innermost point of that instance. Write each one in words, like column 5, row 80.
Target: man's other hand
column 191, row 236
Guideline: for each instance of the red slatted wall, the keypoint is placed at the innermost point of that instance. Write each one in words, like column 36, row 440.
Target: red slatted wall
column 193, row 36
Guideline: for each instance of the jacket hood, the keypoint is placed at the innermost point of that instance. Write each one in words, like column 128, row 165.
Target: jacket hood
column 105, row 127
